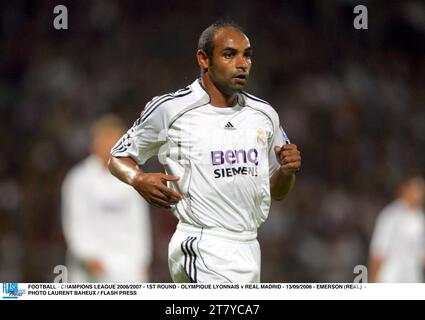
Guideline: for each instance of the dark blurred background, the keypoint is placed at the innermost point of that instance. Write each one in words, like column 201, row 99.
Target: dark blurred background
column 352, row 100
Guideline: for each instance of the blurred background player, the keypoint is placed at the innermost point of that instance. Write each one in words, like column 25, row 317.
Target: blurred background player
column 397, row 252
column 106, row 224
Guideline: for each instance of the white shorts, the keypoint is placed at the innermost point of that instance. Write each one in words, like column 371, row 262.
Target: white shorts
column 213, row 256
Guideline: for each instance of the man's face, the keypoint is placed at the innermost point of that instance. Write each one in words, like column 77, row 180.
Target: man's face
column 417, row 191
column 414, row 191
column 104, row 141
column 230, row 63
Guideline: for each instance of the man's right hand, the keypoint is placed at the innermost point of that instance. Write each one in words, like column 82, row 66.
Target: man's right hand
column 94, row 267
column 152, row 187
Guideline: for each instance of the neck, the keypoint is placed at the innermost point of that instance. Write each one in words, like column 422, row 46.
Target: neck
column 410, row 203
column 218, row 98
column 103, row 160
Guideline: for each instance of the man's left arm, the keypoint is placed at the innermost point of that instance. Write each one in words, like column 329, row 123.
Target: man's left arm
column 282, row 181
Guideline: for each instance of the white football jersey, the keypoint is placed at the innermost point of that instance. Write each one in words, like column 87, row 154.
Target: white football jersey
column 103, row 217
column 399, row 238
column 223, row 156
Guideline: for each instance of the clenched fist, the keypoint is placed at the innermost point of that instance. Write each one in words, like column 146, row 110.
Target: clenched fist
column 289, row 158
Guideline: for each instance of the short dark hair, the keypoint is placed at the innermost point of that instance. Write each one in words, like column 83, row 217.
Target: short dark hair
column 205, row 42
column 107, row 121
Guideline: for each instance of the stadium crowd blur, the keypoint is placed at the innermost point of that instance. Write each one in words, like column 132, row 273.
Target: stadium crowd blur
column 352, row 100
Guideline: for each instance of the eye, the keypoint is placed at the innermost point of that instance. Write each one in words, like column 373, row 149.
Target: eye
column 228, row 55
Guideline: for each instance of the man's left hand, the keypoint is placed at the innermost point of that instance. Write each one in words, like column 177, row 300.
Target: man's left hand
column 289, row 158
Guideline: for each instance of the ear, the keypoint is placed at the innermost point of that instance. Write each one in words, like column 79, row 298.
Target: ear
column 203, row 60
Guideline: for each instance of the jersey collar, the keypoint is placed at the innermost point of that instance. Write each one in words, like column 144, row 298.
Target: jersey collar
column 203, row 95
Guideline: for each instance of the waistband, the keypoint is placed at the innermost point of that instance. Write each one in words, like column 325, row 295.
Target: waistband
column 218, row 232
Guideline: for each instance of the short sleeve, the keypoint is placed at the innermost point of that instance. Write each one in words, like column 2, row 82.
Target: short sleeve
column 278, row 138
column 143, row 139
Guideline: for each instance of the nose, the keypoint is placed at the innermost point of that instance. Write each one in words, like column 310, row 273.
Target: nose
column 242, row 63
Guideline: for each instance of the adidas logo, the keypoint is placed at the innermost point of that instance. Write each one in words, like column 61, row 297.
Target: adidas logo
column 229, row 126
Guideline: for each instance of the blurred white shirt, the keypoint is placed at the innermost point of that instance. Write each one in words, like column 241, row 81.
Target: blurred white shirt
column 399, row 238
column 105, row 219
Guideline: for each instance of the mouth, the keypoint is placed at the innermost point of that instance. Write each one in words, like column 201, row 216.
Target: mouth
column 241, row 76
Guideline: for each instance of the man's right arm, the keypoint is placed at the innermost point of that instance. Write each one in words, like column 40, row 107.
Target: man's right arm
column 150, row 186
column 375, row 265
